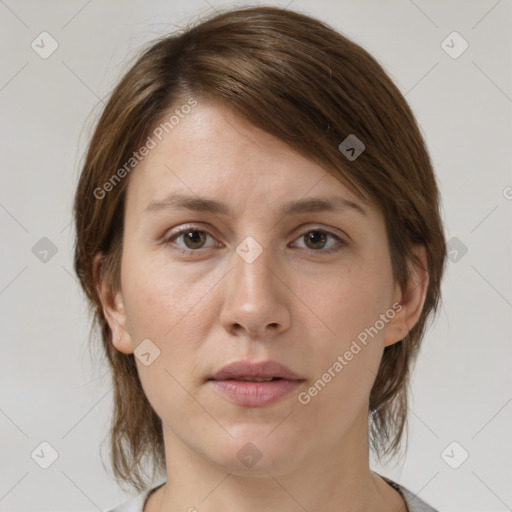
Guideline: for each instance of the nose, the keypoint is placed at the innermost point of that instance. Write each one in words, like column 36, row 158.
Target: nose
column 256, row 297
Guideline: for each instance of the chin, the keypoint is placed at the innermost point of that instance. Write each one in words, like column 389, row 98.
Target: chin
column 257, row 450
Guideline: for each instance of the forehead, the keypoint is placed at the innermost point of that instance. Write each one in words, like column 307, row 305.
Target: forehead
column 212, row 152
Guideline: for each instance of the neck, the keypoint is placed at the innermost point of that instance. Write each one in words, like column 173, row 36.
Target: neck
column 329, row 478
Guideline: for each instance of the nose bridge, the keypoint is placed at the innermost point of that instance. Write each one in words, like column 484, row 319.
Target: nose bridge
column 253, row 265
column 254, row 298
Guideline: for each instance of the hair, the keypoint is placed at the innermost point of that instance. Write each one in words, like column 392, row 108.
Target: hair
column 311, row 87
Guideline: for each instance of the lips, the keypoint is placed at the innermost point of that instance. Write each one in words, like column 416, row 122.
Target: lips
column 255, row 372
column 255, row 384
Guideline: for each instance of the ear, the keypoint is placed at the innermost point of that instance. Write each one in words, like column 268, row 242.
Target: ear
column 411, row 299
column 113, row 307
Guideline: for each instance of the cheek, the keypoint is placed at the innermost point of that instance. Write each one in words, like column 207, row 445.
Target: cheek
column 174, row 309
column 165, row 307
column 348, row 351
column 159, row 297
column 347, row 304
column 345, row 358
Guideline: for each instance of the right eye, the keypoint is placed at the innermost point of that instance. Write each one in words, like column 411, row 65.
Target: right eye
column 193, row 238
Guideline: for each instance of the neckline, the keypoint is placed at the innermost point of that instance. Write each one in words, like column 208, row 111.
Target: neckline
column 391, row 483
column 152, row 491
column 398, row 489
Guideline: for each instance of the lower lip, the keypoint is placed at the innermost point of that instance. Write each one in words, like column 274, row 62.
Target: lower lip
column 254, row 394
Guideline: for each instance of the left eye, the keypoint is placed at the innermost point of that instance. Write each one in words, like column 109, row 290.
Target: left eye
column 314, row 239
column 317, row 238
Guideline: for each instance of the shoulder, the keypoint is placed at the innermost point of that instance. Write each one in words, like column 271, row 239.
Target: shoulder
column 414, row 503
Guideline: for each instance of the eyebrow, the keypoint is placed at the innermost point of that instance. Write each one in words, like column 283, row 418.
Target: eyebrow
column 178, row 201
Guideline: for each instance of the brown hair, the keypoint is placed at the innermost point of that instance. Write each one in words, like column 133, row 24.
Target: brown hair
column 308, row 85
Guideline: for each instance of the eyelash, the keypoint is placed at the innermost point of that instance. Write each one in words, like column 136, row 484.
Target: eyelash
column 340, row 245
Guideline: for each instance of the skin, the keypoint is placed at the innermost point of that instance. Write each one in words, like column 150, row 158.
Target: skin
column 296, row 303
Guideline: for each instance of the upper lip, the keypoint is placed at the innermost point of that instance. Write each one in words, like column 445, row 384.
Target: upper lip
column 248, row 369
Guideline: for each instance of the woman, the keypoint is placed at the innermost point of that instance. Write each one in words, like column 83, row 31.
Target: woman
column 259, row 238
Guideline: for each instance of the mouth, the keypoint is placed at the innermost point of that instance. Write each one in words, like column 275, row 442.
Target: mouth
column 253, row 379
column 255, row 384
column 255, row 371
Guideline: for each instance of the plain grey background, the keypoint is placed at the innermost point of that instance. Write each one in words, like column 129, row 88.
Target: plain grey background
column 52, row 393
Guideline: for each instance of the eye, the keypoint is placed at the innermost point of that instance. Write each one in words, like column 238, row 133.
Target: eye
column 316, row 240
column 194, row 239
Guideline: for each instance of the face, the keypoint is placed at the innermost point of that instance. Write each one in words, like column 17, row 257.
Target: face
column 249, row 281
